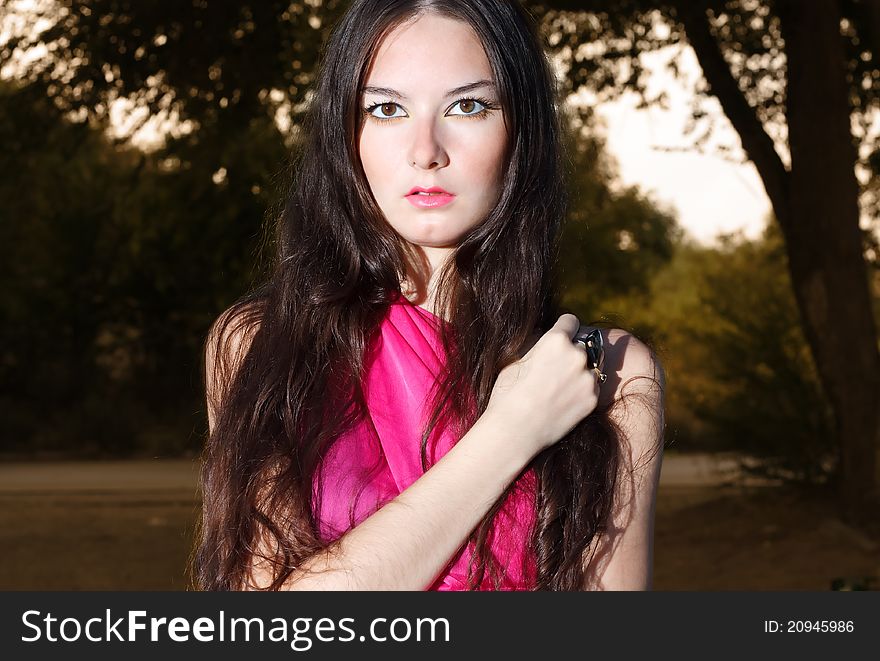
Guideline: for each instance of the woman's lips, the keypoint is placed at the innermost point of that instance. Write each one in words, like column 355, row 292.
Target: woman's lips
column 430, row 201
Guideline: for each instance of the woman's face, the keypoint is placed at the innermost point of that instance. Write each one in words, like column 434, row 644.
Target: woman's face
column 420, row 132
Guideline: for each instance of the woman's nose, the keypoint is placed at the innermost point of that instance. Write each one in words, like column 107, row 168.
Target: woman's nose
column 427, row 151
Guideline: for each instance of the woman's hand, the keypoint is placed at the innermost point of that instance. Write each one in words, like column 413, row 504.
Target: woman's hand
column 544, row 394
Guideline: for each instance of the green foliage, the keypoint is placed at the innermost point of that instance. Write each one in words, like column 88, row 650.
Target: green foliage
column 59, row 187
column 769, row 400
column 740, row 375
column 612, row 242
column 661, row 314
column 119, row 264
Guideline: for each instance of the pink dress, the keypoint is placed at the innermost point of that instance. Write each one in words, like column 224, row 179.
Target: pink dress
column 379, row 458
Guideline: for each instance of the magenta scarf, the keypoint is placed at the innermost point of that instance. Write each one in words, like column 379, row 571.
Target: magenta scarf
column 378, row 459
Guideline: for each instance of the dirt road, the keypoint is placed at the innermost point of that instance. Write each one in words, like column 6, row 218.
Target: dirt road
column 130, row 525
column 181, row 475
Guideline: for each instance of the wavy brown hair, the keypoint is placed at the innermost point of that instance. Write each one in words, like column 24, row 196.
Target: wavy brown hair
column 296, row 383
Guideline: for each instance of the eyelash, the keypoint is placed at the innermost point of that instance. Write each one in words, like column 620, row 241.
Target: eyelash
column 483, row 114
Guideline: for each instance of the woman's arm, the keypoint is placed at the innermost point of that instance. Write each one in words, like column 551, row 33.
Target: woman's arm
column 624, row 554
column 407, row 543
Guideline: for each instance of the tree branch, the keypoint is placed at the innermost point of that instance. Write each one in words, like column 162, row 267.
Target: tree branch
column 755, row 140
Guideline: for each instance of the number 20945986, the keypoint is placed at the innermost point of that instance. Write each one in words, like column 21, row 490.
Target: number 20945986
column 806, row 626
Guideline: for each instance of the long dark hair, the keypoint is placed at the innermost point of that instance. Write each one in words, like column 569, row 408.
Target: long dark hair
column 295, row 386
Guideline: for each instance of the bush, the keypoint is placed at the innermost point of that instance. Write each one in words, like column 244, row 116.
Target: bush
column 762, row 395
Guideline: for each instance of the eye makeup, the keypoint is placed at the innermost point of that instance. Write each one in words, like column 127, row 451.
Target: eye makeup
column 487, row 105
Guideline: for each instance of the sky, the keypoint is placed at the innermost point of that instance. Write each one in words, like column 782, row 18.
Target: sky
column 713, row 191
column 710, row 191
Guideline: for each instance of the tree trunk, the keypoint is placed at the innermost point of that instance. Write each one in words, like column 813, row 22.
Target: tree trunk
column 816, row 204
column 825, row 247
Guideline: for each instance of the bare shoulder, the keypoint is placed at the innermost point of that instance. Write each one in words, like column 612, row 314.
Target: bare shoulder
column 228, row 342
column 234, row 329
column 630, row 365
column 634, row 392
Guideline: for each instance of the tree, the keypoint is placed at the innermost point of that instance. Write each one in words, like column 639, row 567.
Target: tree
column 60, row 186
column 792, row 77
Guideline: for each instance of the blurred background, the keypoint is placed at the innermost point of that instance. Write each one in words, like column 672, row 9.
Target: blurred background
column 724, row 208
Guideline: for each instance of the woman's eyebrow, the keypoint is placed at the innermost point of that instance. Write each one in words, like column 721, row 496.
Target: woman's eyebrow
column 387, row 91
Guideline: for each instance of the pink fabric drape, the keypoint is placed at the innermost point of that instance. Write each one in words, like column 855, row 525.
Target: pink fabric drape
column 379, row 458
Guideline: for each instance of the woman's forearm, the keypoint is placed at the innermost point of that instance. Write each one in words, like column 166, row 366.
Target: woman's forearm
column 407, row 543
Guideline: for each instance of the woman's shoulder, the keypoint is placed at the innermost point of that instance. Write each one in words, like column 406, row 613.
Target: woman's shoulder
column 228, row 341
column 630, row 364
column 233, row 330
column 630, row 355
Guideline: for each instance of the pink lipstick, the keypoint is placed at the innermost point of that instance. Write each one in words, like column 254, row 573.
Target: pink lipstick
column 429, row 198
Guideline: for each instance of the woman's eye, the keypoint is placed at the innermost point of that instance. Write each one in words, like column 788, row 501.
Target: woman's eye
column 469, row 107
column 385, row 111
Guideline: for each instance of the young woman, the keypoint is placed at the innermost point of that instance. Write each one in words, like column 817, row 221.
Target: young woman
column 402, row 405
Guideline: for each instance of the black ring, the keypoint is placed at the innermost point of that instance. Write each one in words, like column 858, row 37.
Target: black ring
column 592, row 343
